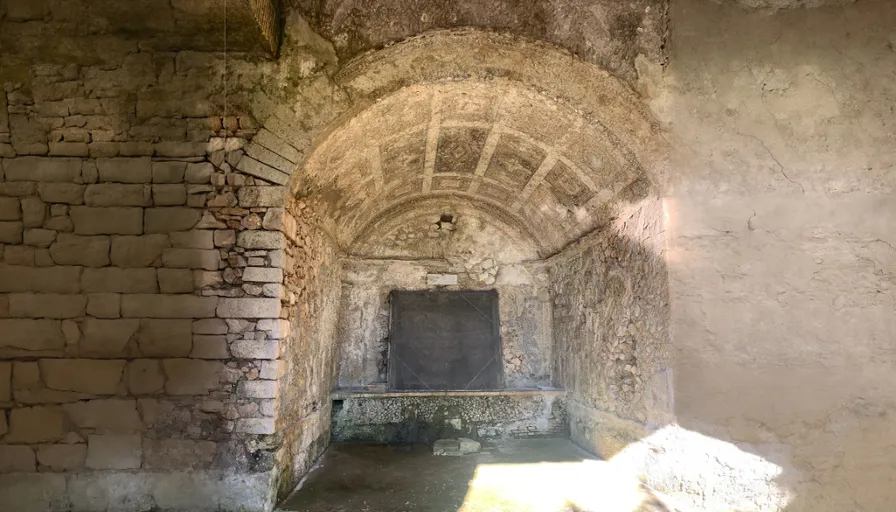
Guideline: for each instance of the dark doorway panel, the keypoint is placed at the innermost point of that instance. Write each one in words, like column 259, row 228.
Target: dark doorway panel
column 445, row 340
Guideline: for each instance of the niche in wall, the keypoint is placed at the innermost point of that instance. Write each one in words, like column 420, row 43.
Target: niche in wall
column 445, row 340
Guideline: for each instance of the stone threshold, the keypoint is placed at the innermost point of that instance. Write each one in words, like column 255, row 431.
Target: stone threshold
column 342, row 394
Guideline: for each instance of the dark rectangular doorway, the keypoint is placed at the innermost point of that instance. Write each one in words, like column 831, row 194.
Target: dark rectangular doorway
column 445, row 340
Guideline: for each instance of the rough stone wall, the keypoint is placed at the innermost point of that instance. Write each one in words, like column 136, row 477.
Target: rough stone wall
column 312, row 284
column 422, row 418
column 611, row 333
column 781, row 235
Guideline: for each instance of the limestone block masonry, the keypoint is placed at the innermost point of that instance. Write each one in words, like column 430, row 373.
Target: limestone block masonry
column 141, row 321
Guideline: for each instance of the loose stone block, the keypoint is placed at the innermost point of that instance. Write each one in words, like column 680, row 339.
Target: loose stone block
column 261, row 240
column 195, row 239
column 114, row 194
column 42, row 238
column 255, row 349
column 270, row 196
column 62, row 457
column 50, row 280
column 34, row 211
column 258, row 388
column 125, row 170
column 168, row 306
column 249, row 308
column 144, row 377
column 178, row 454
column 35, row 425
column 88, row 251
column 16, row 458
column 114, row 451
column 175, row 280
column 68, row 193
column 107, row 338
column 11, row 232
column 119, row 280
column 165, row 220
column 31, row 335
column 104, row 305
column 138, row 251
column 199, row 173
column 209, row 347
column 165, row 338
column 107, row 221
column 255, row 425
column 169, row 195
column 92, row 376
column 46, row 305
column 262, row 275
column 42, row 169
column 207, row 259
column 10, row 209
column 168, row 172
column 112, row 414
column 191, row 376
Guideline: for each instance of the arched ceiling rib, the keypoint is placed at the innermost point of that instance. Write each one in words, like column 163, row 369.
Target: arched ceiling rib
column 508, row 149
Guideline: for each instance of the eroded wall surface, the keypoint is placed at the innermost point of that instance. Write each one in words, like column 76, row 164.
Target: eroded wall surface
column 781, row 249
column 611, row 333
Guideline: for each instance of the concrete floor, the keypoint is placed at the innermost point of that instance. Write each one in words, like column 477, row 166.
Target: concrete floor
column 549, row 475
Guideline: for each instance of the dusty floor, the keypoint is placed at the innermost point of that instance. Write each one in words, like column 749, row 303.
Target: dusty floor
column 518, row 476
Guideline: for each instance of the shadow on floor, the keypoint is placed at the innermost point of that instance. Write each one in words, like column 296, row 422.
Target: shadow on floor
column 549, row 475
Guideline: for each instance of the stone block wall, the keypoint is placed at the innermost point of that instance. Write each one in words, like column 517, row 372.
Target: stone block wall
column 142, row 326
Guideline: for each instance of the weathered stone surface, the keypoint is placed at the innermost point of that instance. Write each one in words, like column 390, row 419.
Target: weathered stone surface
column 46, row 305
column 255, row 349
column 191, row 376
column 250, row 197
column 138, row 251
column 113, row 414
column 113, row 194
column 16, row 458
column 39, row 237
column 167, row 306
column 144, row 377
column 107, row 221
column 166, row 220
column 42, row 169
column 263, row 275
column 169, row 195
column 225, row 237
column 168, row 172
column 34, row 211
column 119, row 280
column 5, row 382
column 92, row 376
column 195, row 239
column 165, row 338
column 255, row 425
column 199, row 173
column 178, row 454
column 210, row 326
column 249, row 308
column 68, row 193
column 125, row 170
column 62, row 457
column 114, row 451
column 48, row 280
column 175, row 280
column 255, row 168
column 11, row 232
column 35, row 425
column 261, row 240
column 104, row 305
column 88, row 251
column 33, row 492
column 207, row 259
column 33, row 335
column 258, row 388
column 107, row 338
column 10, row 209
column 209, row 347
